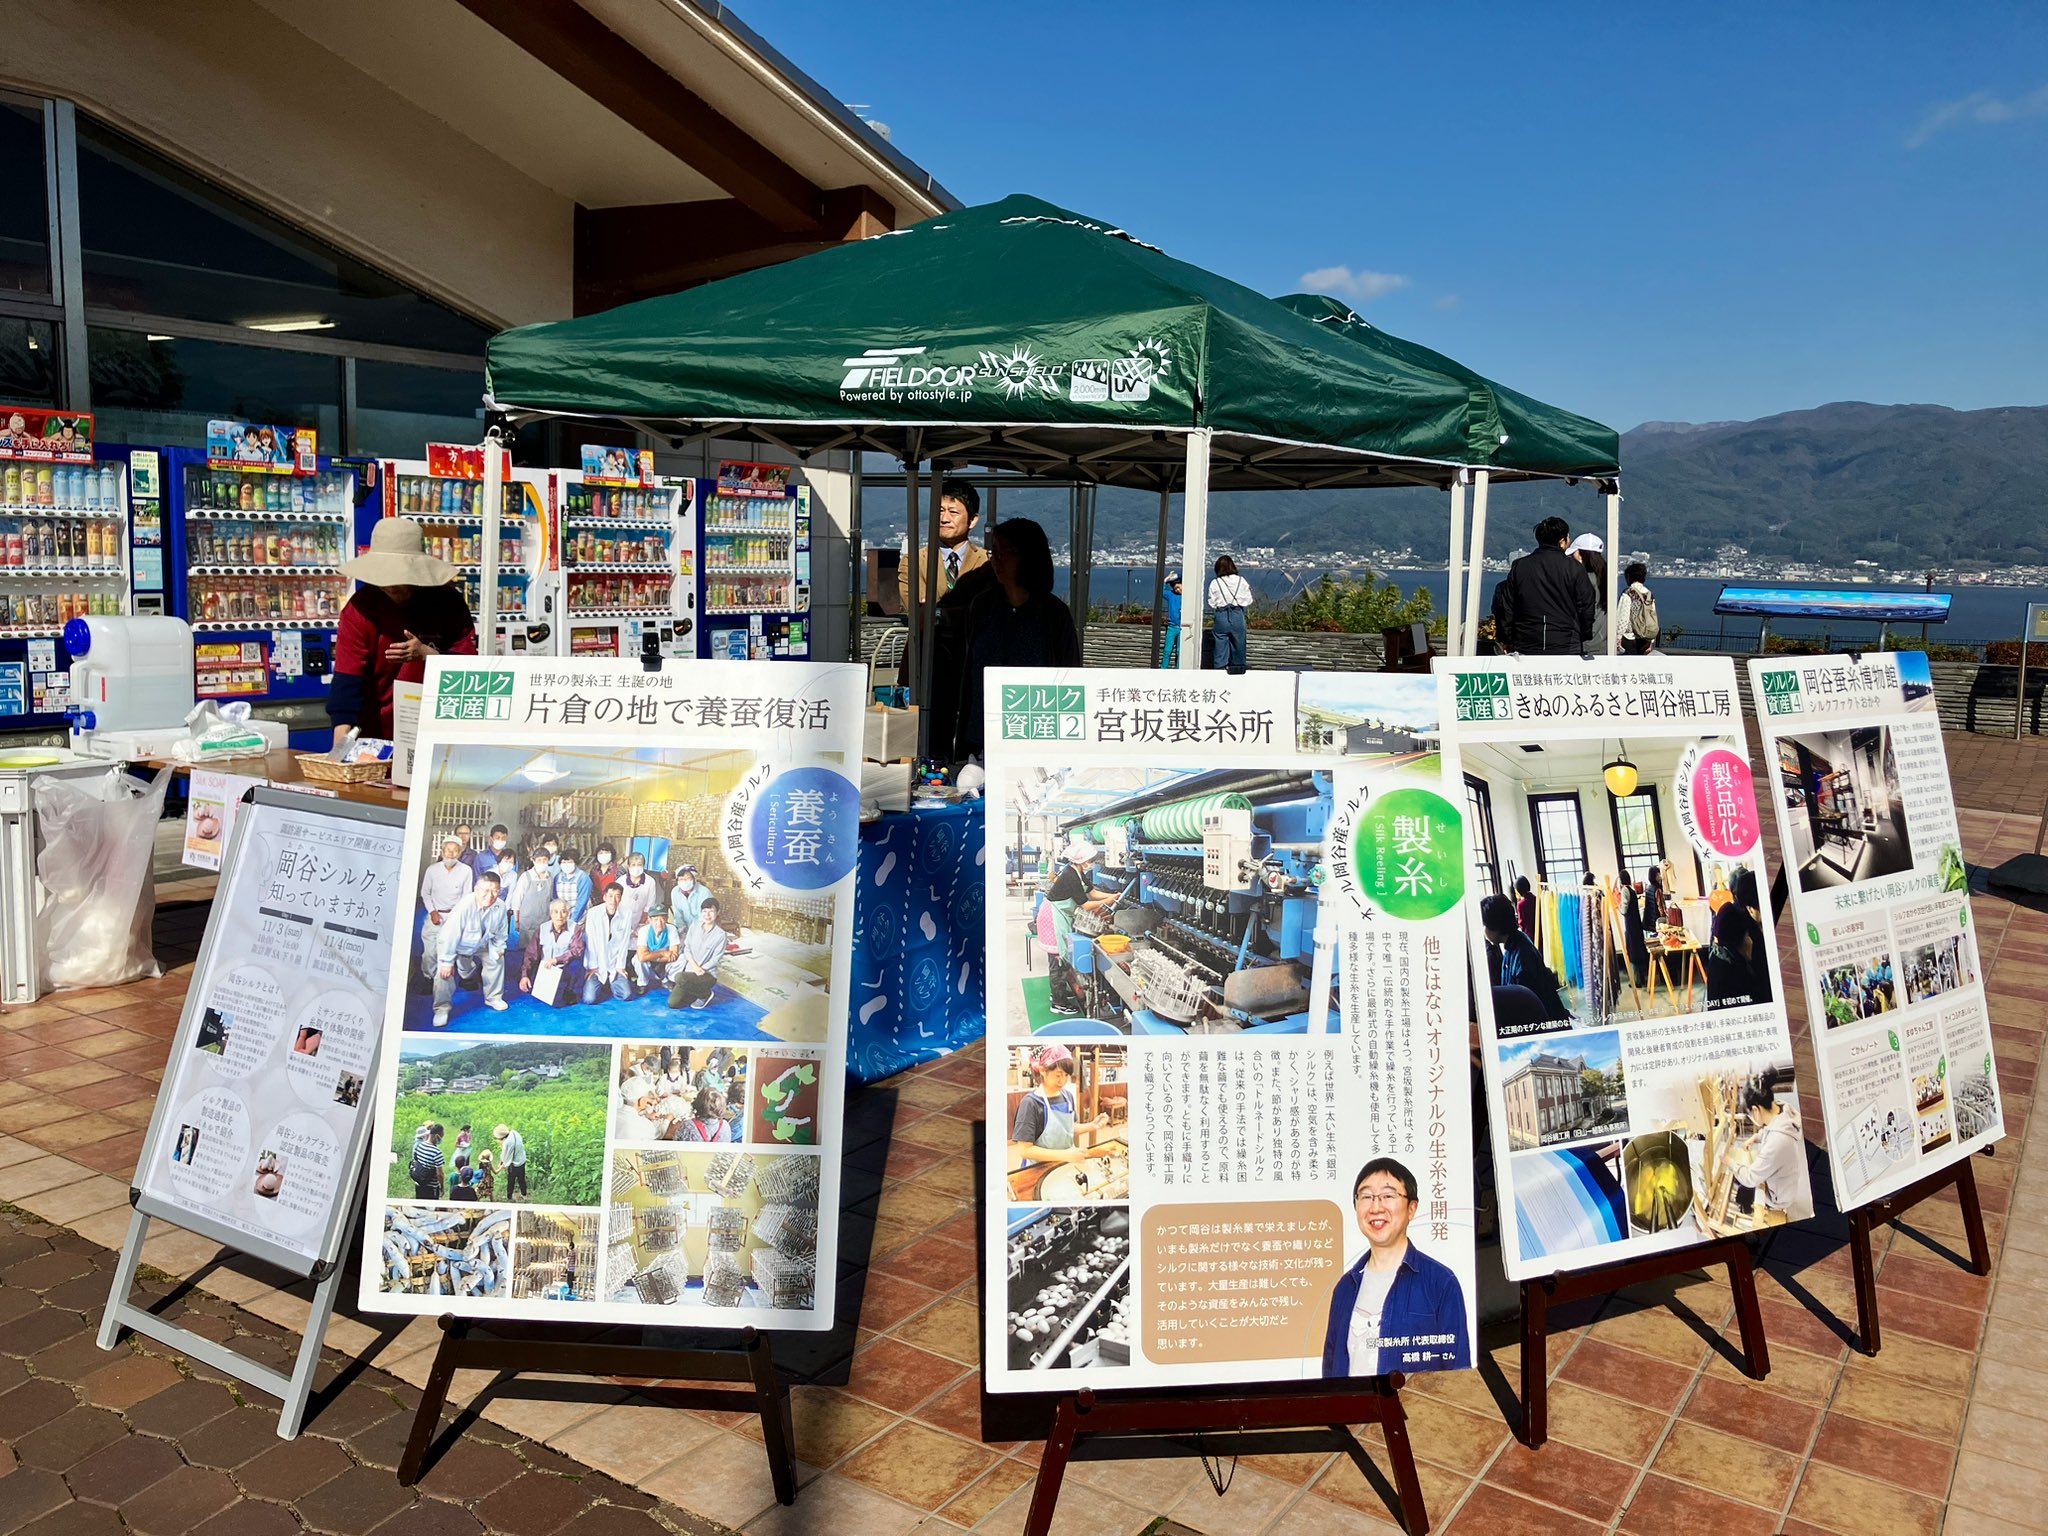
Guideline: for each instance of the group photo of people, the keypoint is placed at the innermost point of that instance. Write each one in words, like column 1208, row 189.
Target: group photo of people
column 583, row 893
column 681, row 1093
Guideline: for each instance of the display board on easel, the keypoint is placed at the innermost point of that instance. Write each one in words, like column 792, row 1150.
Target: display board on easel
column 1227, row 1089
column 259, row 1134
column 1880, row 900
column 613, row 1078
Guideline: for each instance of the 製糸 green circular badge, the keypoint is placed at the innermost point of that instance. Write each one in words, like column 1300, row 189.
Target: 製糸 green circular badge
column 1409, row 852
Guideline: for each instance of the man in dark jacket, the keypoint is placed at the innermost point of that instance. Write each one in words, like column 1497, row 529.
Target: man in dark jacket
column 1544, row 606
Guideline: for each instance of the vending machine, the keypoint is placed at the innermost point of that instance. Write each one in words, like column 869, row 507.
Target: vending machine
column 756, row 564
column 443, row 493
column 64, row 554
column 258, row 526
column 629, row 557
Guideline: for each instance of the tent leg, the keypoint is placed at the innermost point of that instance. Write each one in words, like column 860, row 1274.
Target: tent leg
column 494, row 522
column 1613, row 570
column 1159, row 577
column 913, row 660
column 1194, row 548
column 856, row 576
column 928, row 615
column 1454, row 588
column 1475, row 577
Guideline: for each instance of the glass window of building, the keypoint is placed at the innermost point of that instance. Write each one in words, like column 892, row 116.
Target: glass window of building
column 28, row 362
column 400, row 408
column 164, row 389
column 158, row 240
column 25, row 209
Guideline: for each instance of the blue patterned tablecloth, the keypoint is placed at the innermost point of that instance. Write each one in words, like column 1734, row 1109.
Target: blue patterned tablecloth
column 919, row 971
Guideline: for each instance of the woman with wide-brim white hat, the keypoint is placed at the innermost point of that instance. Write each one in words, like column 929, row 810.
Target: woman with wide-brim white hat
column 406, row 608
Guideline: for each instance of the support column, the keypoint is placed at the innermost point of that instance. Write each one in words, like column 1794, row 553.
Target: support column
column 494, row 520
column 1194, row 548
column 1613, row 567
column 1454, row 587
column 1475, row 579
column 913, row 662
column 856, row 568
column 1159, row 577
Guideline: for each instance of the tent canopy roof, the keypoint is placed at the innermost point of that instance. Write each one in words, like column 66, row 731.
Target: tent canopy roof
column 1025, row 337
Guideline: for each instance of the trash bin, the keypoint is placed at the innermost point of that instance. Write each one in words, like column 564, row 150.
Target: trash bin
column 21, row 893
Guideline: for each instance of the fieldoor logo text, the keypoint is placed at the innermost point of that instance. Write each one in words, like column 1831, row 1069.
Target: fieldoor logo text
column 889, row 373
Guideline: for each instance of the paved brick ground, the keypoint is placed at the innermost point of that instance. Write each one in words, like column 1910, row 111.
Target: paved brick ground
column 134, row 1439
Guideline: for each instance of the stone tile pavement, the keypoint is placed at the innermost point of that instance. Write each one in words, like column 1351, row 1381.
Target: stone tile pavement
column 1653, row 1426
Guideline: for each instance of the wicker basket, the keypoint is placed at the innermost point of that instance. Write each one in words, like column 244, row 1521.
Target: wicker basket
column 320, row 769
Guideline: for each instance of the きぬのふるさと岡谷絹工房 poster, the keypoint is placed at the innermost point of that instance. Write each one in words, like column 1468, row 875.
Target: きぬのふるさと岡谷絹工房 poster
column 1228, row 1092
column 1881, row 911
column 616, row 1037
column 1638, row 1062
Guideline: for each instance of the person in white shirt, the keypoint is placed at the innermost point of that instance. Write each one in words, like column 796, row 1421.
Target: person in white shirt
column 471, row 949
column 531, row 894
column 1230, row 599
column 643, row 892
column 686, row 901
column 607, row 952
column 696, row 974
column 441, row 887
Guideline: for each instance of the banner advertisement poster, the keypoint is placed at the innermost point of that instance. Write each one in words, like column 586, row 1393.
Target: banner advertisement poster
column 629, row 467
column 35, row 432
column 616, row 1030
column 1881, row 913
column 213, row 801
column 262, row 447
column 1228, row 1089
column 1632, row 1023
column 459, row 461
column 260, row 1098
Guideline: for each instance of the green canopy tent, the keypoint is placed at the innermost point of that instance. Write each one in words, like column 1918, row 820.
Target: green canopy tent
column 1029, row 339
column 1506, row 426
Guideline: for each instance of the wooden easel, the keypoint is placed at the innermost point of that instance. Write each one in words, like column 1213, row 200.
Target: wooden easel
column 1128, row 1425
column 1539, row 1295
column 510, row 1348
column 1867, row 1218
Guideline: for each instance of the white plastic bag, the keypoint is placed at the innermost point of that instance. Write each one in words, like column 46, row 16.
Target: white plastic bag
column 96, row 862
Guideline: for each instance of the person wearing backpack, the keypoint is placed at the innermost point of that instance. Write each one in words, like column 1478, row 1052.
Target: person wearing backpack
column 427, row 1162
column 1639, row 625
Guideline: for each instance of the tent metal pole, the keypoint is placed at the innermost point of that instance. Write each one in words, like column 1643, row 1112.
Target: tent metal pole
column 928, row 614
column 494, row 521
column 1194, row 547
column 913, row 661
column 856, row 564
column 1159, row 577
column 1613, row 569
column 1454, row 588
column 1086, row 572
column 1475, row 575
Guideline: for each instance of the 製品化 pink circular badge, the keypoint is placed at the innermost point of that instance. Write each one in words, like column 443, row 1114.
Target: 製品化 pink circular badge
column 1724, row 802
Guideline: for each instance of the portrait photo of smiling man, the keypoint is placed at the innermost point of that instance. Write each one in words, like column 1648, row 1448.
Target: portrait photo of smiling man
column 1396, row 1309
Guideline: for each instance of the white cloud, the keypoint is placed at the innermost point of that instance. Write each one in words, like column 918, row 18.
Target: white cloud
column 1359, row 287
column 1979, row 107
column 1446, row 301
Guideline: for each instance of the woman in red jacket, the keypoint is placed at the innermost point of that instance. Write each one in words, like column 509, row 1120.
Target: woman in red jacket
column 406, row 608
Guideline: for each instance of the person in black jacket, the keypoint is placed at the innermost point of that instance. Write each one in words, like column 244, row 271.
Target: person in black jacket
column 1544, row 605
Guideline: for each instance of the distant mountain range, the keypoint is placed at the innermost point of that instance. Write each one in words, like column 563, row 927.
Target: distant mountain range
column 1905, row 486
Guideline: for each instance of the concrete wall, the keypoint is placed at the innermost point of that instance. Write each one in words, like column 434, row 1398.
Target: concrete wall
column 228, row 89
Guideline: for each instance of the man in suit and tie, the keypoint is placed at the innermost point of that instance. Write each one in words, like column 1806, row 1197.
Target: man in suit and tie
column 959, row 515
column 960, row 559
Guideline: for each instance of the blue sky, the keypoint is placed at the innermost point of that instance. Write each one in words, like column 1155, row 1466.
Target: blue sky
column 1688, row 213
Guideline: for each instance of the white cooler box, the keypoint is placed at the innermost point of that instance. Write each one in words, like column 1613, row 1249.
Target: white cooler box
column 21, row 893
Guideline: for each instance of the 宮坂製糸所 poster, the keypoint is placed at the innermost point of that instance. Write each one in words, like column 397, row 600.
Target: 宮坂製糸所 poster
column 1228, row 1091
column 1638, row 1063
column 616, row 1034
column 1881, row 914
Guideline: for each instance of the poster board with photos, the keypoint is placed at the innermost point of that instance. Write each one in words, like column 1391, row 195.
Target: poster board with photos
column 668, row 1088
column 259, row 1134
column 1187, row 1086
column 1638, row 1063
column 1881, row 916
